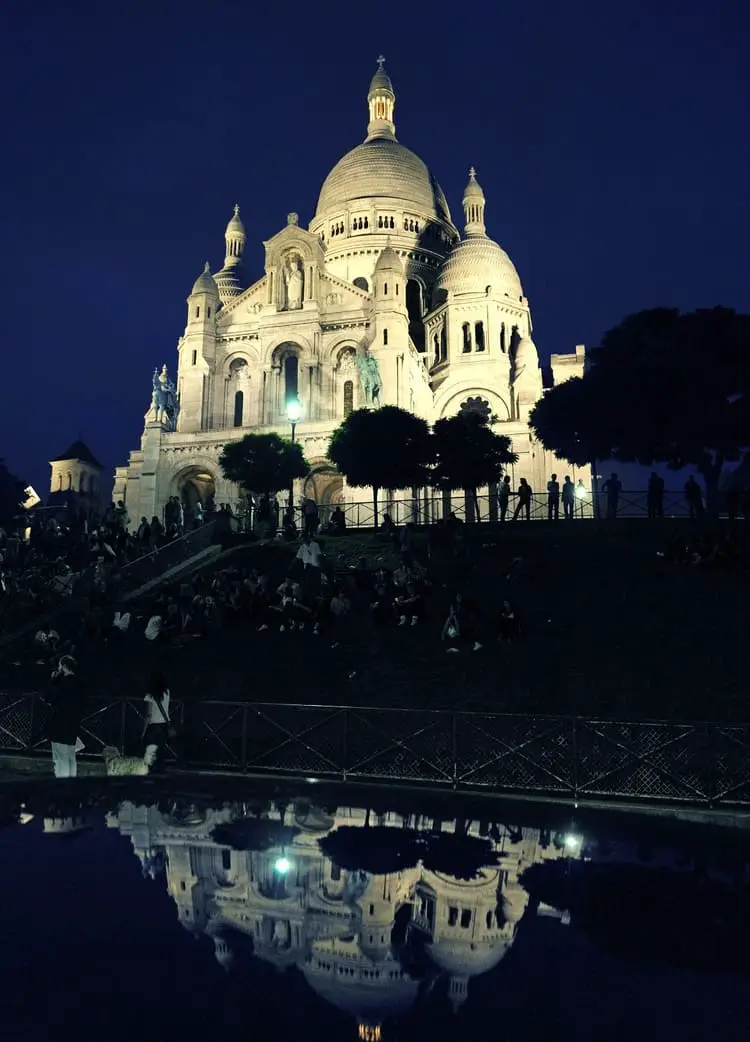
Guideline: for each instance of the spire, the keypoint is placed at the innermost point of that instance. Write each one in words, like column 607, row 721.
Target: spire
column 235, row 239
column 381, row 100
column 474, row 206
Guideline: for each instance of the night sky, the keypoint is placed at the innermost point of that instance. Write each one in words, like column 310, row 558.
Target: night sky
column 610, row 139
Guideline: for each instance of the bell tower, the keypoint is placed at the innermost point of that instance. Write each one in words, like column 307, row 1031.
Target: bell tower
column 381, row 100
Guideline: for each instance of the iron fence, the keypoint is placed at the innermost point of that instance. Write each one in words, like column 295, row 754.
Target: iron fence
column 151, row 566
column 428, row 507
column 569, row 757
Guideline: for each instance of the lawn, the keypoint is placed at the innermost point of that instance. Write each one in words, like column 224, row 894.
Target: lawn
column 609, row 629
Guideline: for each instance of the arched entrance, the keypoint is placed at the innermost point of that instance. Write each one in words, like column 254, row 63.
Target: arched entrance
column 196, row 485
column 325, row 485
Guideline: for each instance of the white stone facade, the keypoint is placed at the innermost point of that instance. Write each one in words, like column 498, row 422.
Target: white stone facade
column 382, row 270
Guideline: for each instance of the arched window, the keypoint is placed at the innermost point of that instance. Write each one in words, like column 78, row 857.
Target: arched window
column 82, row 484
column 436, row 349
column 197, row 311
column 479, row 336
column 385, row 289
column 291, row 378
column 385, row 337
column 392, row 223
column 362, row 283
column 466, row 330
column 239, row 404
column 503, row 342
column 380, row 222
column 443, row 344
column 348, row 397
column 59, row 482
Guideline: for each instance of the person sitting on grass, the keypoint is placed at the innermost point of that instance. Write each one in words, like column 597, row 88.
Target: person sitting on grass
column 382, row 607
column 410, row 606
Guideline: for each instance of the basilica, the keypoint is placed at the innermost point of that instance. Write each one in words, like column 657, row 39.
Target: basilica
column 381, row 300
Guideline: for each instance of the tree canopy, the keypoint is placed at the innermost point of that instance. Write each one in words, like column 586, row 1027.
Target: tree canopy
column 386, row 448
column 664, row 387
column 263, row 462
column 468, row 453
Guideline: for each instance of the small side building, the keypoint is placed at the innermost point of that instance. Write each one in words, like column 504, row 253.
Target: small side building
column 76, row 480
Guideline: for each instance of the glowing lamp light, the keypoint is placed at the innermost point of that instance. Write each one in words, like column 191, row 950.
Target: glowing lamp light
column 581, row 492
column 293, row 410
column 282, row 866
column 573, row 843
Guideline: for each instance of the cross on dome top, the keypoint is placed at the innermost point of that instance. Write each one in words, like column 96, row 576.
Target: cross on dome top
column 381, row 61
column 236, row 209
column 472, row 173
column 381, row 99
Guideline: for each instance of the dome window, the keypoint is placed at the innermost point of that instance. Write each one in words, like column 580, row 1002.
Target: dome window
column 466, row 331
column 385, row 337
column 197, row 311
column 195, row 357
column 479, row 336
column 392, row 223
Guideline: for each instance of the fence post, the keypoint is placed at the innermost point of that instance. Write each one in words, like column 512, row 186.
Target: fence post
column 574, row 757
column 454, row 745
column 345, row 749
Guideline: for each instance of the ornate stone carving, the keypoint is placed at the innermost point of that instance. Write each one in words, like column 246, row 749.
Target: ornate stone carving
column 293, row 282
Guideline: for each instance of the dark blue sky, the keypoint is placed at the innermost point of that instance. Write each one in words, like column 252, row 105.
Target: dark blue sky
column 610, row 140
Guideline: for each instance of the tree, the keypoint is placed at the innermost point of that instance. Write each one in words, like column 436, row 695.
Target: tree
column 382, row 448
column 11, row 494
column 263, row 463
column 469, row 454
column 664, row 387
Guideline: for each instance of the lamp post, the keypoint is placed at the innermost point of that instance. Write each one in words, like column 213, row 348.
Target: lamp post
column 293, row 413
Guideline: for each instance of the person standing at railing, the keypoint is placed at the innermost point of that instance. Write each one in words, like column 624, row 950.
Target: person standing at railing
column 553, row 499
column 157, row 727
column 503, row 497
column 612, row 486
column 63, row 723
column 694, row 499
column 524, row 499
column 568, row 498
column 655, row 496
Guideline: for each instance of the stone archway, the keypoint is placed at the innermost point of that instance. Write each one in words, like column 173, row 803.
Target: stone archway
column 195, row 485
column 325, row 485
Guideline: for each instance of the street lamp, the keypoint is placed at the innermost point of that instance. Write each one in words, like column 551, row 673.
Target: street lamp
column 293, row 413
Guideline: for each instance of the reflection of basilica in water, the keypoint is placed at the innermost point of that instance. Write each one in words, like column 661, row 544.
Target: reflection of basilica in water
column 300, row 909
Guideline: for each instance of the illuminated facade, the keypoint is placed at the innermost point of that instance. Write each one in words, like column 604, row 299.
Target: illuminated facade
column 382, row 273
column 299, row 909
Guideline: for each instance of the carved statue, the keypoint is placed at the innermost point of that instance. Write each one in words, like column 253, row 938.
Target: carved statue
column 294, row 284
column 164, row 399
column 369, row 377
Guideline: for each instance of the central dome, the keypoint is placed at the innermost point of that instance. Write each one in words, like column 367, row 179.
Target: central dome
column 381, row 168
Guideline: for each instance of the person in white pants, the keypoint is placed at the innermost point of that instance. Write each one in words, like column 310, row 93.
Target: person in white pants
column 64, row 721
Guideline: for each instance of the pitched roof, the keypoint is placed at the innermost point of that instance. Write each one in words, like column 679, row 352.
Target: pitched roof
column 80, row 451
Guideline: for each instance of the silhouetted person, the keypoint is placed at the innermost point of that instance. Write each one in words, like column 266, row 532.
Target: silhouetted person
column 568, row 498
column 503, row 496
column 613, row 487
column 553, row 499
column 524, row 499
column 337, row 523
column 693, row 498
column 66, row 709
column 655, row 496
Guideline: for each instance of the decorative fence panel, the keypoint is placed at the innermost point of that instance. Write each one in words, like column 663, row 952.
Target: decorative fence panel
column 572, row 757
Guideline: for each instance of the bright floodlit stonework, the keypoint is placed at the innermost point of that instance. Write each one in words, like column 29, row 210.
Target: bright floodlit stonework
column 382, row 273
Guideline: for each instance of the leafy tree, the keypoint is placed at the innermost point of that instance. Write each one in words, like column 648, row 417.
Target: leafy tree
column 11, row 494
column 263, row 462
column 469, row 454
column 664, row 387
column 382, row 448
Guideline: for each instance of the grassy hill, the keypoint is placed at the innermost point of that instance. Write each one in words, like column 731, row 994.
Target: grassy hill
column 609, row 629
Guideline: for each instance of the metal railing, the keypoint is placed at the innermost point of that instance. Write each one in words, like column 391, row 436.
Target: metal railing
column 152, row 566
column 567, row 757
column 430, row 506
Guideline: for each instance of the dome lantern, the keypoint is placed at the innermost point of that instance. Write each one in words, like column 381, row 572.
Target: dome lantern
column 381, row 100
column 474, row 203
column 235, row 238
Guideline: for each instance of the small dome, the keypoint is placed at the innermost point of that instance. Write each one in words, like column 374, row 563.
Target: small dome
column 381, row 80
column 230, row 282
column 473, row 265
column 205, row 282
column 235, row 226
column 473, row 189
column 389, row 260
